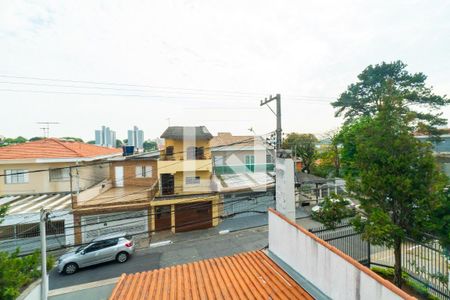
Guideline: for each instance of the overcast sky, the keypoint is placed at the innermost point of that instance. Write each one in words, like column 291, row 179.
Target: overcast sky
column 203, row 62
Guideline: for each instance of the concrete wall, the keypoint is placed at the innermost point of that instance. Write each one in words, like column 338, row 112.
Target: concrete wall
column 39, row 182
column 32, row 292
column 335, row 274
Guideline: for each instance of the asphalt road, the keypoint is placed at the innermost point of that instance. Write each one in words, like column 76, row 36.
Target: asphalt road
column 186, row 248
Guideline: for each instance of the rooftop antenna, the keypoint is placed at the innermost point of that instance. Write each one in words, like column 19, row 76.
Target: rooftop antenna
column 46, row 127
column 168, row 121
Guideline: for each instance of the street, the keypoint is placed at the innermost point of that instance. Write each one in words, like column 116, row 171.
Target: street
column 186, row 247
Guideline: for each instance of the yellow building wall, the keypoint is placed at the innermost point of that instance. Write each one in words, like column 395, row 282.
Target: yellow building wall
column 180, row 147
column 39, row 182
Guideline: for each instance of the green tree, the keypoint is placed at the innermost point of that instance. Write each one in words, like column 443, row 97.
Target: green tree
column 13, row 141
column 328, row 157
column 303, row 146
column 36, row 138
column 71, row 138
column 398, row 182
column 119, row 144
column 150, row 145
column 91, row 142
column 364, row 98
column 16, row 272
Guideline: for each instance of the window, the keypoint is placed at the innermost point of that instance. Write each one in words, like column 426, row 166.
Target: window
column 193, row 180
column 195, row 153
column 144, row 171
column 218, row 160
column 16, row 176
column 60, row 174
column 169, row 150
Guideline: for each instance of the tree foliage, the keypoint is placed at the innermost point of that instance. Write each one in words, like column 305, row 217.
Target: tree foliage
column 364, row 98
column 328, row 157
column 303, row 146
column 16, row 272
column 12, row 141
column 150, row 145
column 398, row 182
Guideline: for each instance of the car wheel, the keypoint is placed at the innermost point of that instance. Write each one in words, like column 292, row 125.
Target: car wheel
column 122, row 257
column 70, row 268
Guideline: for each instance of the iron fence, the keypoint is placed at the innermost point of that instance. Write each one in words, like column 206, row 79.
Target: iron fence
column 424, row 262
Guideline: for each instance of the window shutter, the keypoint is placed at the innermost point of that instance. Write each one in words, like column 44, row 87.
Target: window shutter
column 138, row 171
column 148, row 171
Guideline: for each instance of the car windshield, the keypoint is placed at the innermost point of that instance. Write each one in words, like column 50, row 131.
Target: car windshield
column 80, row 249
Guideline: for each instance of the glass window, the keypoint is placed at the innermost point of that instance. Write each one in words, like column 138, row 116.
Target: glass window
column 16, row 176
column 60, row 174
column 144, row 171
column 193, row 180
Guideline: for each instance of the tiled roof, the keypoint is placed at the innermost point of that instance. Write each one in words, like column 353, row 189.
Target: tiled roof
column 178, row 132
column 54, row 148
column 250, row 275
column 226, row 138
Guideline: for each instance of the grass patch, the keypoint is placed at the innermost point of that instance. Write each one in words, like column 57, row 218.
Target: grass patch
column 419, row 289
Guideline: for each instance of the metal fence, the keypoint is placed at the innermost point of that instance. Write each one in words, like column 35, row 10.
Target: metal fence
column 424, row 263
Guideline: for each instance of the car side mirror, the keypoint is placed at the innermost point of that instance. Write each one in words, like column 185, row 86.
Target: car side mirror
column 82, row 252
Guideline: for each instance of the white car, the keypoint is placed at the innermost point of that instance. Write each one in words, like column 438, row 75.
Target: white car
column 349, row 204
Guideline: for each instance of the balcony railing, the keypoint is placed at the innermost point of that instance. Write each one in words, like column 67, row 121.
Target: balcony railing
column 236, row 169
column 164, row 156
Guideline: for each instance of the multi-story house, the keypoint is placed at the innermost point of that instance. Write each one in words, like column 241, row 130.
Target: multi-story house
column 187, row 199
column 119, row 203
column 47, row 174
column 241, row 162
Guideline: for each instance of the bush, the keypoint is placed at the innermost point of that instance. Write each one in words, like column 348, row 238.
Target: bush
column 18, row 272
column 418, row 287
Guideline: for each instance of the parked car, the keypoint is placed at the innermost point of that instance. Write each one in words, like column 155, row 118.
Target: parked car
column 348, row 203
column 118, row 246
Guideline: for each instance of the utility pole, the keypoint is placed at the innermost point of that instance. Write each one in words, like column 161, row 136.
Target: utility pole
column 44, row 282
column 277, row 114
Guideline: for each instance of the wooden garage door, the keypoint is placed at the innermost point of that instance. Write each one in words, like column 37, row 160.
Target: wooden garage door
column 162, row 218
column 193, row 216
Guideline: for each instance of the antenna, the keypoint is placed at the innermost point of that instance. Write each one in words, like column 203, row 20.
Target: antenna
column 46, row 127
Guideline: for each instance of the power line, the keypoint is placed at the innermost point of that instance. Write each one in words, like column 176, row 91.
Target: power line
column 151, row 86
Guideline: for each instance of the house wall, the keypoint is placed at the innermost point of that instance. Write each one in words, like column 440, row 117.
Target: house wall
column 39, row 182
column 129, row 172
column 203, row 187
column 332, row 272
column 237, row 157
column 180, row 147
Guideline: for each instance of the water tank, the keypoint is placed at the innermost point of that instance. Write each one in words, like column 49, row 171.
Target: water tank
column 128, row 150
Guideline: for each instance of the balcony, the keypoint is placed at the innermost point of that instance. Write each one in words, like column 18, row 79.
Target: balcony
column 236, row 169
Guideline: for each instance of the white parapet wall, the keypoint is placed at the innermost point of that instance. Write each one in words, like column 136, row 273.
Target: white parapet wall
column 328, row 269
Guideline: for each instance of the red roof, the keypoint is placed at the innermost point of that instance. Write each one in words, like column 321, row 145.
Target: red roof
column 250, row 275
column 54, row 148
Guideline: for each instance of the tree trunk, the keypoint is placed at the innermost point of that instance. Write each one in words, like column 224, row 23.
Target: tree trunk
column 398, row 262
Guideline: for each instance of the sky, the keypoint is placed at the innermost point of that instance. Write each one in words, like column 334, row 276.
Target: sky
column 85, row 64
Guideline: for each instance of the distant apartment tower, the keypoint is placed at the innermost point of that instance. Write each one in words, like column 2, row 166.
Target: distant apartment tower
column 105, row 137
column 136, row 138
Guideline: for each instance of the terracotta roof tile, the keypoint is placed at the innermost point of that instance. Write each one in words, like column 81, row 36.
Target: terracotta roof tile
column 54, row 148
column 250, row 275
